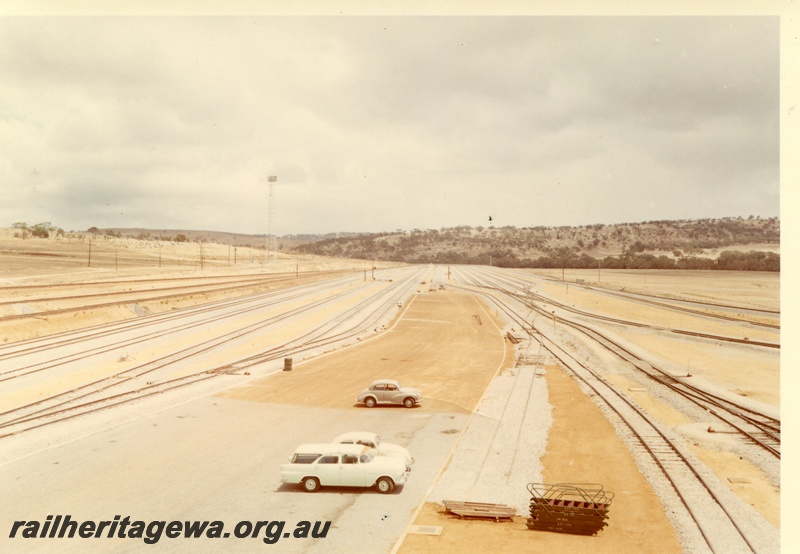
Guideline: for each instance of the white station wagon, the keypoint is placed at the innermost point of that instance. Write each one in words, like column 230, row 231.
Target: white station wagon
column 343, row 465
column 376, row 445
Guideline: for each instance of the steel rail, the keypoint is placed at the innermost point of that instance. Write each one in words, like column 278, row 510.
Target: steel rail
column 238, row 365
column 664, row 453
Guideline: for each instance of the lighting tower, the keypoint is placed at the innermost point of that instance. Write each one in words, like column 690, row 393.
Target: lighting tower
column 270, row 213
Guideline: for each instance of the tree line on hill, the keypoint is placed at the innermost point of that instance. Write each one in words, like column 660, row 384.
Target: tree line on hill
column 732, row 260
column 634, row 245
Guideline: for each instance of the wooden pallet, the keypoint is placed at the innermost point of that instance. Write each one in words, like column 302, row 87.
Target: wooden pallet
column 480, row 509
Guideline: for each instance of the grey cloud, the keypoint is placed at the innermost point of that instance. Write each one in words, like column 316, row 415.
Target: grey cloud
column 425, row 117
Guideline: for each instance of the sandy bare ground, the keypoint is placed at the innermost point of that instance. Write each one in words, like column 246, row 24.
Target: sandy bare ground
column 440, row 344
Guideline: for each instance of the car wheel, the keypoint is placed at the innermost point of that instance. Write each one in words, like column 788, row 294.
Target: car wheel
column 369, row 402
column 310, row 484
column 408, row 402
column 385, row 485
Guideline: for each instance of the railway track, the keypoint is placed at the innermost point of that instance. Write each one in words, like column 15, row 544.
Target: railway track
column 524, row 287
column 680, row 305
column 707, row 514
column 755, row 427
column 706, row 511
column 153, row 377
column 206, row 285
column 713, row 310
column 146, row 328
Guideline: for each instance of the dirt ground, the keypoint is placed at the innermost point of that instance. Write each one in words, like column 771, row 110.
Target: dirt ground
column 440, row 343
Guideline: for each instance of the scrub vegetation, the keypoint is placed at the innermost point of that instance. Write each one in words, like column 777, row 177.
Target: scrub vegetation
column 745, row 244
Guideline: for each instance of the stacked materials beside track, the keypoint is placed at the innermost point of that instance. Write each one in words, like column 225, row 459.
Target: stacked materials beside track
column 480, row 509
column 575, row 508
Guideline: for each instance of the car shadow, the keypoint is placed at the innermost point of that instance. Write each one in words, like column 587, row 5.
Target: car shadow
column 338, row 490
column 389, row 406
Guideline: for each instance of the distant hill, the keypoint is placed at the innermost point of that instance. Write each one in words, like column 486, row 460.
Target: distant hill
column 748, row 243
column 285, row 242
column 751, row 243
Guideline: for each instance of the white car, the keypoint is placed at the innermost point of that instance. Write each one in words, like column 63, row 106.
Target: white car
column 343, row 465
column 376, row 445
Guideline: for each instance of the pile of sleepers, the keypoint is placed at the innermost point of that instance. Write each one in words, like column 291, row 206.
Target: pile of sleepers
column 576, row 508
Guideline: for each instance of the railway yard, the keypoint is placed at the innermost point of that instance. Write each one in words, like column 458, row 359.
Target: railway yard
column 166, row 395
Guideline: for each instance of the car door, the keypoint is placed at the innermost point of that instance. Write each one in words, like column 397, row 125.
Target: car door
column 327, row 470
column 380, row 392
column 351, row 472
column 392, row 392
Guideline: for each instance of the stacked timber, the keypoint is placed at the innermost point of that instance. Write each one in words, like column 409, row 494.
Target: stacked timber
column 480, row 509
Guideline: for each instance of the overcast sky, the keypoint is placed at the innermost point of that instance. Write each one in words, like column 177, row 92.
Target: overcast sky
column 384, row 123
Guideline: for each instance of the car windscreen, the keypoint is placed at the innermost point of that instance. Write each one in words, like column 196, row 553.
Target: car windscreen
column 366, row 458
column 304, row 458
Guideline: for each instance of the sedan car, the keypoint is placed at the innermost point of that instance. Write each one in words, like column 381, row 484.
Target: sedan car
column 343, row 465
column 389, row 391
column 375, row 444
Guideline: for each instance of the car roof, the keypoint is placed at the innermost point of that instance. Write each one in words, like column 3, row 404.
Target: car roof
column 330, row 448
column 355, row 435
column 386, row 381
